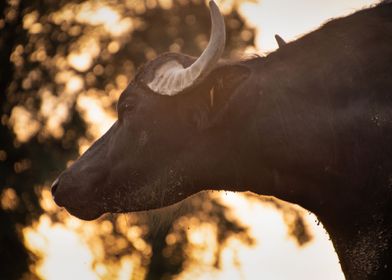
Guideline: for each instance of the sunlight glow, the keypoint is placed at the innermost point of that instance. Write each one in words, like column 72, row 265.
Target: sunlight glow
column 9, row 200
column 291, row 19
column 86, row 49
column 80, row 61
column 23, row 124
column 55, row 111
column 73, row 248
column 66, row 254
column 96, row 13
column 99, row 119
column 275, row 249
column 203, row 244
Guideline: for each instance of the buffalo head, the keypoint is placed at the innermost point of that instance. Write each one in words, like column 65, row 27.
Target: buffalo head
column 162, row 148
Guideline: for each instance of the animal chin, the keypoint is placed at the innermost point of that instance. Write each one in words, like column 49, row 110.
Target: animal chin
column 87, row 213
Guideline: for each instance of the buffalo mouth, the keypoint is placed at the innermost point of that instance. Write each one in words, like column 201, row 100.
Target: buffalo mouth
column 84, row 200
column 88, row 213
column 77, row 196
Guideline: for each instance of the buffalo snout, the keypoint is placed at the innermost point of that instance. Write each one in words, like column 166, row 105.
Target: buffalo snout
column 77, row 192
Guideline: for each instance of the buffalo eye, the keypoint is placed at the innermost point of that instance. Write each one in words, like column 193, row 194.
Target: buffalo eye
column 124, row 109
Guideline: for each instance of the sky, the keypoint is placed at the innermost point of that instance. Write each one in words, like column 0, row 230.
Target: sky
column 292, row 19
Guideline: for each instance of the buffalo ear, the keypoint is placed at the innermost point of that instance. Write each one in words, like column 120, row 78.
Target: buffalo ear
column 215, row 93
column 225, row 83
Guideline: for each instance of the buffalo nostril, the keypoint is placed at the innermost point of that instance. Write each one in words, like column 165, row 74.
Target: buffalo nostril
column 54, row 186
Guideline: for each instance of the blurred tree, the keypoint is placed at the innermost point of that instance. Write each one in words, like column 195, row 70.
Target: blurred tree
column 55, row 55
column 22, row 165
column 170, row 240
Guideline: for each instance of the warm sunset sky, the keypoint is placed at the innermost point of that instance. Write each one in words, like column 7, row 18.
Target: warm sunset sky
column 293, row 18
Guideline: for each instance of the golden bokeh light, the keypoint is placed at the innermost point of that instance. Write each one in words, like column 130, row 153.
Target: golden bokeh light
column 9, row 200
column 63, row 253
column 23, row 123
column 275, row 248
column 98, row 116
column 71, row 247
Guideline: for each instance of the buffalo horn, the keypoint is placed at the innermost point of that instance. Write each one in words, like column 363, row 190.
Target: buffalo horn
column 171, row 78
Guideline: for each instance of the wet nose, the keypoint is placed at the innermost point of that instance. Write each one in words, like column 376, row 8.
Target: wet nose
column 54, row 186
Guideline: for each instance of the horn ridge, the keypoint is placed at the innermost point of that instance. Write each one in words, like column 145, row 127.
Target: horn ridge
column 175, row 78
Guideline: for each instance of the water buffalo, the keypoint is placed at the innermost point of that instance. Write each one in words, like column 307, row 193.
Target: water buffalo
column 310, row 123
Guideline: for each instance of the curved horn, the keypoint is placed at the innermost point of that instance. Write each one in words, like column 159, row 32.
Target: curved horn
column 171, row 78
